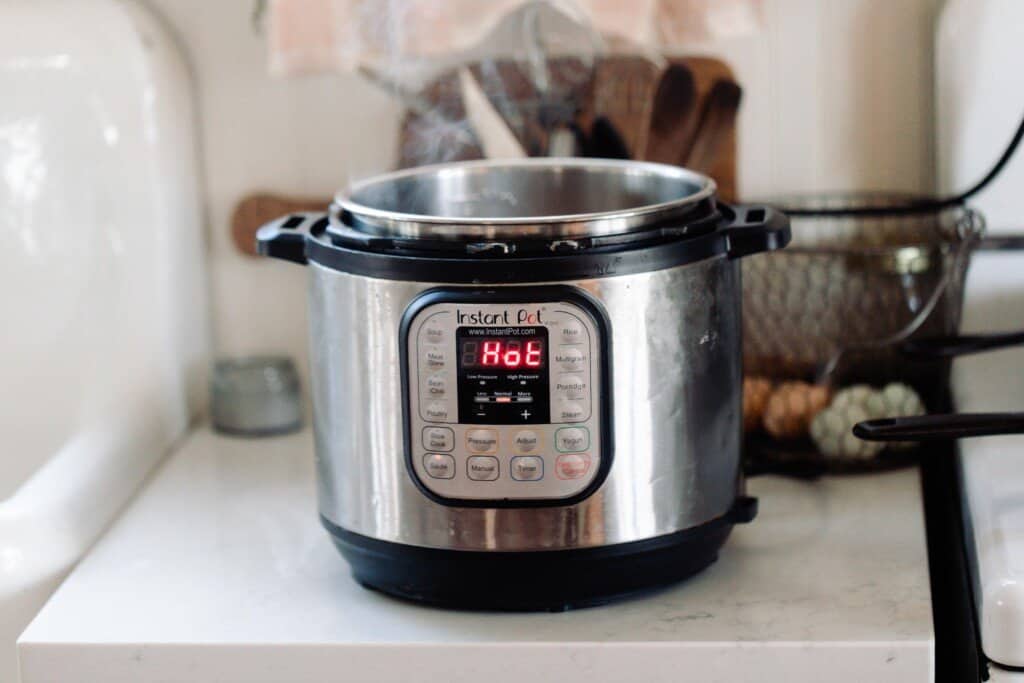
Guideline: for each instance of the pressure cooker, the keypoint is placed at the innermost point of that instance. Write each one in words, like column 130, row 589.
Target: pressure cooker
column 526, row 376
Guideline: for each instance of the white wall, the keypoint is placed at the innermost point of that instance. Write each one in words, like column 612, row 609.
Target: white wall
column 838, row 96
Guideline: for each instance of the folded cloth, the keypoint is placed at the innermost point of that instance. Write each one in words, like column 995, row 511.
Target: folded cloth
column 311, row 36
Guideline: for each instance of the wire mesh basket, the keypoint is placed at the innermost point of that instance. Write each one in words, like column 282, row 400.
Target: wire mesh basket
column 836, row 303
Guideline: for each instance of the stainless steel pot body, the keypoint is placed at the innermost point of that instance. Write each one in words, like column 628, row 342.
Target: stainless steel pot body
column 676, row 408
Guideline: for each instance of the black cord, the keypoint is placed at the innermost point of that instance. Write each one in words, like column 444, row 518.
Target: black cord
column 913, row 206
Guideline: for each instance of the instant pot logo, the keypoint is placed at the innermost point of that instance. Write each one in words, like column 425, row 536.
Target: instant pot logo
column 520, row 316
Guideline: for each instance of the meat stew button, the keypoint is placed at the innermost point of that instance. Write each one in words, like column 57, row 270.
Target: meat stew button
column 572, row 465
column 482, row 468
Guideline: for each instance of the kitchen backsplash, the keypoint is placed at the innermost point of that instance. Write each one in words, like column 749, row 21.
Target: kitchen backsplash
column 820, row 112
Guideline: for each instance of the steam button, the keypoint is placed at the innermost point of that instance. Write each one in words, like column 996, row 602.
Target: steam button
column 439, row 466
column 527, row 468
column 482, row 440
column 570, row 386
column 436, row 411
column 572, row 439
column 482, row 468
column 571, row 358
column 571, row 411
column 525, row 441
column 438, row 438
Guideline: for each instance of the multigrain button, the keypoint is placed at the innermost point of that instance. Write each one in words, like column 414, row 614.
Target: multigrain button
column 438, row 438
column 436, row 411
column 435, row 357
column 572, row 331
column 525, row 441
column 570, row 358
column 570, row 386
column 572, row 439
column 572, row 465
column 571, row 411
column 439, row 466
column 482, row 468
column 482, row 440
column 436, row 386
column 527, row 468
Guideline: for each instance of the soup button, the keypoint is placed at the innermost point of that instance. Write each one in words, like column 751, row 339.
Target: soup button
column 572, row 466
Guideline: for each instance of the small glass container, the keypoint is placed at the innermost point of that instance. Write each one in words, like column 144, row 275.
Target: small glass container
column 255, row 396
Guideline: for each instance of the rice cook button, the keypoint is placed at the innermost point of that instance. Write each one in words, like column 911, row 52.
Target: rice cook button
column 572, row 465
column 482, row 468
column 436, row 411
column 482, row 440
column 439, row 466
column 571, row 358
column 572, row 439
column 527, row 468
column 438, row 438
column 525, row 441
column 572, row 331
column 435, row 357
column 571, row 411
column 436, row 386
column 570, row 386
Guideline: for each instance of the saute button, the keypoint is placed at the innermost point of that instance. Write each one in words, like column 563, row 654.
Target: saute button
column 482, row 468
column 572, row 465
column 570, row 386
column 571, row 411
column 573, row 332
column 438, row 438
column 527, row 468
column 434, row 357
column 572, row 439
column 436, row 411
column 439, row 466
column 482, row 440
column 525, row 441
column 571, row 358
column 435, row 386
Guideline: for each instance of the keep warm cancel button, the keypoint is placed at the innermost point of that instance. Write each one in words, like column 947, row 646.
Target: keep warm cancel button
column 572, row 465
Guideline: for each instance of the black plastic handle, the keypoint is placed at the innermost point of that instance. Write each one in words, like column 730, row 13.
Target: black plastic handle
column 960, row 345
column 754, row 229
column 934, row 427
column 285, row 237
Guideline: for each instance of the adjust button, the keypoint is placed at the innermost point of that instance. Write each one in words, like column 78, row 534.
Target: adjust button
column 527, row 468
column 438, row 438
column 482, row 440
column 482, row 468
column 572, row 465
column 436, row 411
column 439, row 466
column 571, row 358
column 572, row 439
column 570, row 386
column 525, row 441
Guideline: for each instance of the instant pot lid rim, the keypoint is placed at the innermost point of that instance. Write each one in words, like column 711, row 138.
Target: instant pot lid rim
column 618, row 221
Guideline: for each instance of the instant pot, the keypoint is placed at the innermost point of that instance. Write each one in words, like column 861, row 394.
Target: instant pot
column 527, row 376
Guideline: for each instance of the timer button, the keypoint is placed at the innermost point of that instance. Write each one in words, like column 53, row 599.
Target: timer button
column 436, row 411
column 435, row 357
column 571, row 411
column 433, row 334
column 527, row 468
column 572, row 466
column 573, row 332
column 570, row 386
column 482, row 468
column 438, row 438
column 436, row 386
column 482, row 440
column 571, row 358
column 572, row 439
column 439, row 466
column 525, row 441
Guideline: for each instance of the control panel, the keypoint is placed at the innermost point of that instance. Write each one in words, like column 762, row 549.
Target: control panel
column 504, row 399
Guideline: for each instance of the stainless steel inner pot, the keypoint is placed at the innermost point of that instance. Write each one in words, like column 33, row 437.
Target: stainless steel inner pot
column 540, row 198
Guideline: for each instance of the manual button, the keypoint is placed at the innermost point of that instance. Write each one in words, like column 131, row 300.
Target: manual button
column 438, row 438
column 482, row 440
column 527, row 468
column 439, row 466
column 572, row 439
column 482, row 468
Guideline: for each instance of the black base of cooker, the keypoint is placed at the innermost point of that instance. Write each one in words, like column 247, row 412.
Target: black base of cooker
column 554, row 580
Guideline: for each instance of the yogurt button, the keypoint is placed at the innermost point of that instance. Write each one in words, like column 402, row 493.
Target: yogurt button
column 572, row 439
column 525, row 441
column 482, row 440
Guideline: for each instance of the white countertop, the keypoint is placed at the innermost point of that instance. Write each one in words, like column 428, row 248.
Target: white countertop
column 219, row 571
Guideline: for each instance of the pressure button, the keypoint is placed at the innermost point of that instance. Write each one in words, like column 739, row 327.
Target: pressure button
column 482, row 440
